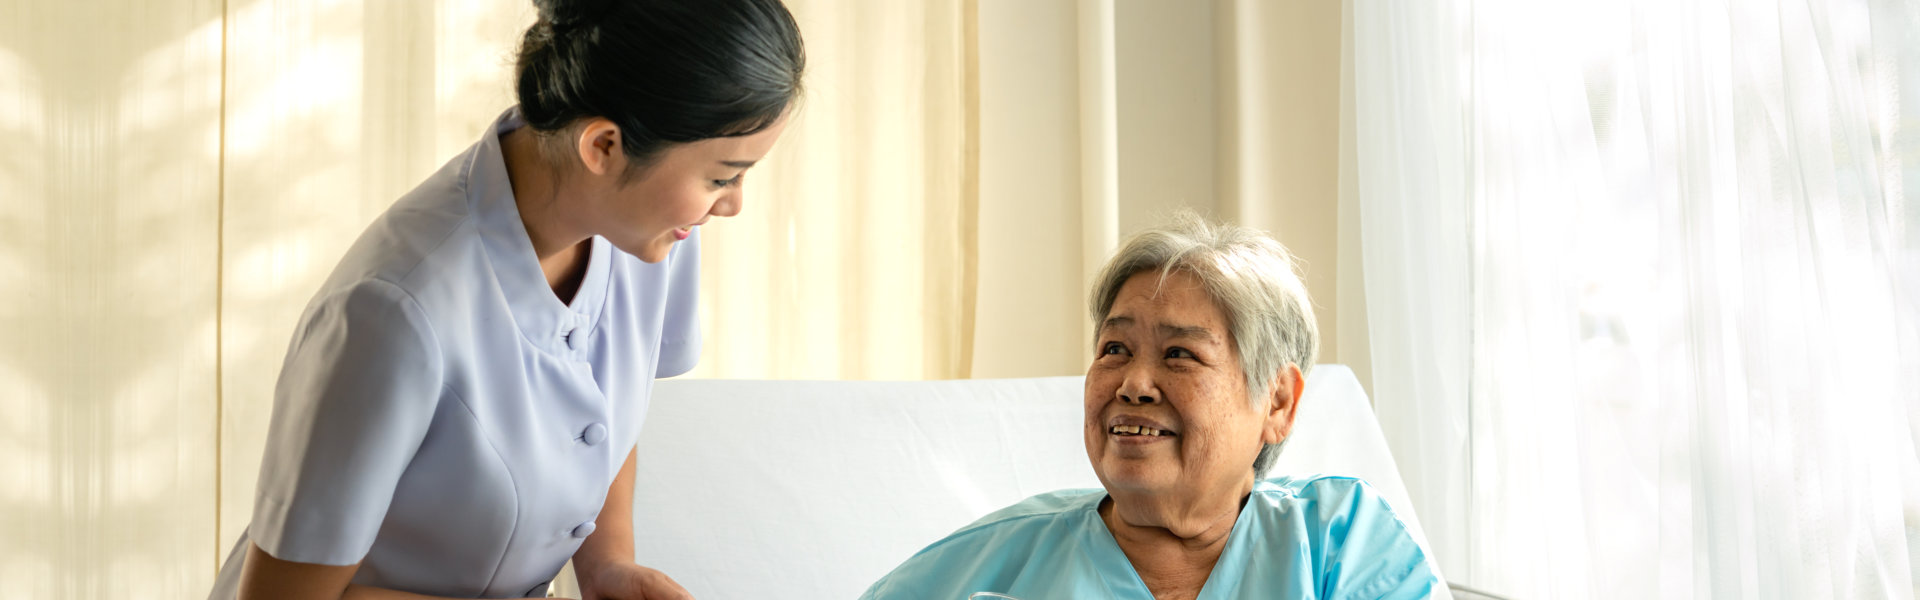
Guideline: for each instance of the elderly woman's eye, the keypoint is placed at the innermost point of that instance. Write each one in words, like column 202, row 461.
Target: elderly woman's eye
column 1179, row 353
column 1112, row 348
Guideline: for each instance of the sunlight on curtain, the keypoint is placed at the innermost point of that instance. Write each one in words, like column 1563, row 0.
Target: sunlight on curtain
column 852, row 256
column 334, row 109
column 109, row 206
column 1692, row 360
column 1413, row 208
column 29, row 535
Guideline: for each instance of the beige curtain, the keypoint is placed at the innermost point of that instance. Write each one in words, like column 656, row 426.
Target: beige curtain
column 1099, row 117
column 109, row 296
column 1279, row 123
column 853, row 258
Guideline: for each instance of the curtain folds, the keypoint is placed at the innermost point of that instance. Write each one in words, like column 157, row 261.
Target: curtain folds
column 1412, row 171
column 853, row 258
column 109, row 296
column 1641, row 280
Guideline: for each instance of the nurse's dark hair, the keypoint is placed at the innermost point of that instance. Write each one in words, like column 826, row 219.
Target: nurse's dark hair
column 664, row 71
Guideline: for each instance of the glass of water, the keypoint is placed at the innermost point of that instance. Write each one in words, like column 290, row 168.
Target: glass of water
column 990, row 596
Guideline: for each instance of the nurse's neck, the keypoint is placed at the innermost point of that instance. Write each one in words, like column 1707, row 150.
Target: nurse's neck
column 561, row 247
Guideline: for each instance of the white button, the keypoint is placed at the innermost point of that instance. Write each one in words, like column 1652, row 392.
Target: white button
column 594, row 434
column 572, row 338
column 583, row 530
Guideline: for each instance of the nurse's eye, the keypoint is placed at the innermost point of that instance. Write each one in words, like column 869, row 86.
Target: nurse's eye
column 721, row 183
column 1178, row 352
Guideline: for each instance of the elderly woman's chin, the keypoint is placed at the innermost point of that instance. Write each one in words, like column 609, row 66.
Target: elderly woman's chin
column 1136, row 475
column 1135, row 467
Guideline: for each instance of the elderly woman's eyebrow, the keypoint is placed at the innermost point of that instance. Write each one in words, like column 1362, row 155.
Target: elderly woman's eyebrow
column 1167, row 330
column 1185, row 332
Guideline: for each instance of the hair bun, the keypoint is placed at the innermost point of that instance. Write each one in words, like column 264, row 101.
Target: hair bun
column 665, row 72
column 567, row 13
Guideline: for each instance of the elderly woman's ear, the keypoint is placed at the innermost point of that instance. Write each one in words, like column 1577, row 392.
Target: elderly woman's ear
column 1283, row 404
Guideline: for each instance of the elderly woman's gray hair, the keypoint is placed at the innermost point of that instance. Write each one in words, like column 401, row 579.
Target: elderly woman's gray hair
column 1251, row 278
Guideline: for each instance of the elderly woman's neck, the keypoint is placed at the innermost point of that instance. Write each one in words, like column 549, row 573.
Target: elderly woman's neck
column 1173, row 543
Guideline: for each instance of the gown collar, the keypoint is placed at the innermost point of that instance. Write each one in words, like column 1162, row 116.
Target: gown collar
column 1123, row 581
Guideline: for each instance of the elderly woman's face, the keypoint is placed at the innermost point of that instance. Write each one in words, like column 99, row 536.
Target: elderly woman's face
column 1167, row 405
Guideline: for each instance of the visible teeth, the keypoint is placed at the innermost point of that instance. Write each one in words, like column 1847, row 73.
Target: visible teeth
column 1137, row 430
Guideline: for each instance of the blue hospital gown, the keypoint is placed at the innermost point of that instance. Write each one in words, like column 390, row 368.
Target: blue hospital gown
column 1315, row 537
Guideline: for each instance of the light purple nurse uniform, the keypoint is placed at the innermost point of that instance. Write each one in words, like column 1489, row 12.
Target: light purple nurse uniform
column 442, row 418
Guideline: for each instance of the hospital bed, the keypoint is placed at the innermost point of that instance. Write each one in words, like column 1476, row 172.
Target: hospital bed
column 815, row 489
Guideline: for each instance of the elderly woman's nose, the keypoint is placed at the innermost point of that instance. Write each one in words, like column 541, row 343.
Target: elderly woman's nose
column 1138, row 388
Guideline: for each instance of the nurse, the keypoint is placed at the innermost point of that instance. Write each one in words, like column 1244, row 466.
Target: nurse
column 1203, row 338
column 458, row 409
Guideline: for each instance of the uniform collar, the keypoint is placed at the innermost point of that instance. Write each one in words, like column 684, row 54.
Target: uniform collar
column 547, row 323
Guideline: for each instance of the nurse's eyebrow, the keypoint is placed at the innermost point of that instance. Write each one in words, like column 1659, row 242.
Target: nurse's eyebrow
column 737, row 164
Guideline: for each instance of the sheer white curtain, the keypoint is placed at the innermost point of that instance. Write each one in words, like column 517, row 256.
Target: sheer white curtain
column 1642, row 282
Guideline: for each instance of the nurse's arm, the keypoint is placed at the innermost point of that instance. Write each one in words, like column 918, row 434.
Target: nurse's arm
column 264, row 577
column 612, row 540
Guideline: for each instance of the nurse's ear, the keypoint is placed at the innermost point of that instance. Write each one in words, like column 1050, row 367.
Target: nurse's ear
column 600, row 147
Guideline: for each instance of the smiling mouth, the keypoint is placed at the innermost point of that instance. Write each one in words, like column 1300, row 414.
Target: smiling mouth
column 1138, row 431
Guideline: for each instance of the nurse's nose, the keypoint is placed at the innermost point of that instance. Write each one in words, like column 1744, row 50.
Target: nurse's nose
column 729, row 205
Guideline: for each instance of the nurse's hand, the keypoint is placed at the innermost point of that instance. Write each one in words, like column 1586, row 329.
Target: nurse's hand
column 631, row 582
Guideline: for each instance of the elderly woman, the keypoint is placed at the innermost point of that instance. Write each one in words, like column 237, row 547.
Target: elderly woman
column 1205, row 335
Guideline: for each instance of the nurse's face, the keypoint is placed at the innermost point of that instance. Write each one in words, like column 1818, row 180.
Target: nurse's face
column 686, row 185
column 1166, row 401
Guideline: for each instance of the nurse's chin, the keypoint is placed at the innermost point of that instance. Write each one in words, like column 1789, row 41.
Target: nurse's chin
column 653, row 251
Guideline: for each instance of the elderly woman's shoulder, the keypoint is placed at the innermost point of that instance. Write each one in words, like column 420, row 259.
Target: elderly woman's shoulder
column 1039, row 507
column 1315, row 484
column 1328, row 495
column 996, row 549
column 1349, row 524
column 1026, row 517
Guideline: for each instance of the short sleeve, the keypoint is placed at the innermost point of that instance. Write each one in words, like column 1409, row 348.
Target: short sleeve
column 680, row 332
column 1371, row 554
column 356, row 395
